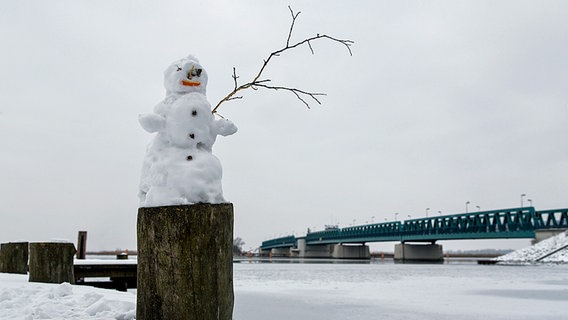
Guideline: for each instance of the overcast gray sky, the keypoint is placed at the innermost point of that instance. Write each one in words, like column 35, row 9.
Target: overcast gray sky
column 442, row 102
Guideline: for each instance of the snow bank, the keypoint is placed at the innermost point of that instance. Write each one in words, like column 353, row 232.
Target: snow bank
column 539, row 251
column 20, row 299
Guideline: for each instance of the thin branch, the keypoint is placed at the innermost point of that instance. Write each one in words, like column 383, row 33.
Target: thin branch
column 294, row 17
column 235, row 77
column 310, row 45
column 297, row 92
column 261, row 83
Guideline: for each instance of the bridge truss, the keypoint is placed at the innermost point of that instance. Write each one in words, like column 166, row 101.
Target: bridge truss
column 494, row 224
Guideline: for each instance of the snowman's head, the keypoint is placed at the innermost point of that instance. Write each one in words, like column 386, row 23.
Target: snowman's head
column 185, row 76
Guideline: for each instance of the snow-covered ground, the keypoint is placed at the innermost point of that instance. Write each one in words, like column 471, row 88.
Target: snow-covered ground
column 329, row 291
column 22, row 300
column 540, row 251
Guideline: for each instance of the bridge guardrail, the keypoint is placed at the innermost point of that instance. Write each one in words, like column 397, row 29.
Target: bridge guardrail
column 551, row 219
column 388, row 231
column 503, row 223
column 282, row 242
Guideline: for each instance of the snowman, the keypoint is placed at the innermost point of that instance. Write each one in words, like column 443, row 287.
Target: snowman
column 179, row 167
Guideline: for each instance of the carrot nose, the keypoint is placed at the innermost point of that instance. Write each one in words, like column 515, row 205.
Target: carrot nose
column 189, row 83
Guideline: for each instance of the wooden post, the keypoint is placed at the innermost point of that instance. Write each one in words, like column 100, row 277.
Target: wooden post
column 51, row 262
column 185, row 263
column 82, row 245
column 14, row 257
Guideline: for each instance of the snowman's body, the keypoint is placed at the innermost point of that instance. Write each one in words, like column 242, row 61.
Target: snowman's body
column 170, row 179
column 179, row 167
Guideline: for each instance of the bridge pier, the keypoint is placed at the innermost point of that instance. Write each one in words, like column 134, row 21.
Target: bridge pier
column 341, row 251
column 544, row 234
column 317, row 251
column 418, row 252
column 313, row 251
column 280, row 252
column 336, row 251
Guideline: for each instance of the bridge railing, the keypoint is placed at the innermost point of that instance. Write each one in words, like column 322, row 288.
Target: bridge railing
column 503, row 223
column 551, row 219
column 364, row 233
column 287, row 241
column 318, row 236
column 386, row 229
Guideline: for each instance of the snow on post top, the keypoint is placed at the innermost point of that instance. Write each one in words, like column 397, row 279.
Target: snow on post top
column 179, row 167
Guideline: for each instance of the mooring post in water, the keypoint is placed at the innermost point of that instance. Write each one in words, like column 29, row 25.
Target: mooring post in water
column 185, row 264
column 52, row 262
column 14, row 257
column 82, row 245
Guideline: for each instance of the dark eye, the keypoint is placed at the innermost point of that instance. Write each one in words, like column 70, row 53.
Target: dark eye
column 194, row 72
column 194, row 113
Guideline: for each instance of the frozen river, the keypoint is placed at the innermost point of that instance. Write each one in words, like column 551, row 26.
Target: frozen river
column 329, row 290
column 384, row 290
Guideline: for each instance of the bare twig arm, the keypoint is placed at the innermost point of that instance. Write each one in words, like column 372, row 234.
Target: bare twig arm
column 257, row 82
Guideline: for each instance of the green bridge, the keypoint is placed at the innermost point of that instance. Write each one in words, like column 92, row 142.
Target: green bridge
column 495, row 224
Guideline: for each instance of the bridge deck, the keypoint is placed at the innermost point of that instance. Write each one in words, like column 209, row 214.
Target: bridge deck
column 494, row 224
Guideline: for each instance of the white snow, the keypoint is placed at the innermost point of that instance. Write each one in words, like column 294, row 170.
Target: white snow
column 130, row 260
column 331, row 291
column 540, row 250
column 179, row 167
column 22, row 300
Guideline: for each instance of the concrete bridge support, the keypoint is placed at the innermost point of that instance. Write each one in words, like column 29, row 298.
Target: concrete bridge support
column 317, row 251
column 336, row 251
column 545, row 234
column 313, row 251
column 418, row 252
column 341, row 251
column 280, row 252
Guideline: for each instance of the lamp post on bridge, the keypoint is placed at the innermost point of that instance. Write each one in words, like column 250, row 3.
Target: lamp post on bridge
column 427, row 209
column 478, row 208
column 395, row 216
column 522, row 196
column 439, row 212
column 530, row 202
column 466, row 206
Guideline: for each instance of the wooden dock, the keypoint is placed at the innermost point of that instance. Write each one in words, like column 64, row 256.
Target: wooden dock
column 122, row 276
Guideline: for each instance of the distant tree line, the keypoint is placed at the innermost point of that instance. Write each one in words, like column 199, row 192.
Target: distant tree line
column 238, row 244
